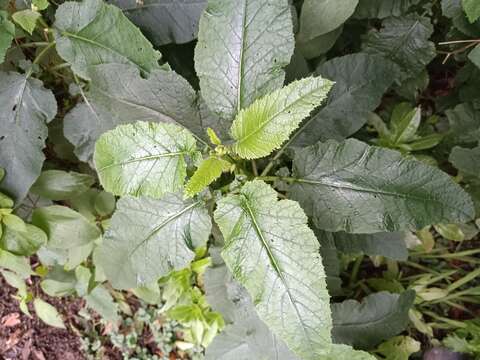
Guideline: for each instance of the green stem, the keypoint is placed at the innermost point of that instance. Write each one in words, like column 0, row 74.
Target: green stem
column 355, row 270
column 39, row 58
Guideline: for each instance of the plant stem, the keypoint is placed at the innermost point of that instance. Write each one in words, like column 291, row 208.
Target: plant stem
column 38, row 58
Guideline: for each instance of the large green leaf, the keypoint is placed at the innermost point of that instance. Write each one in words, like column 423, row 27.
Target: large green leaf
column 118, row 95
column 360, row 82
column 320, row 17
column 378, row 317
column 369, row 9
column 453, row 10
column 472, row 9
column 404, row 40
column 61, row 185
column 92, row 33
column 243, row 46
column 148, row 238
column 143, row 158
column 65, row 227
column 165, row 21
column 272, row 252
column 24, row 243
column 357, row 188
column 464, row 121
column 466, row 160
column 245, row 337
column 7, row 33
column 266, row 124
column 26, row 108
column 389, row 244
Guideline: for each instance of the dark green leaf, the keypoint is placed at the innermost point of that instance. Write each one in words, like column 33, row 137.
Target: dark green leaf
column 61, row 185
column 118, row 95
column 7, row 33
column 92, row 33
column 360, row 82
column 405, row 41
column 369, row 9
column 165, row 21
column 27, row 107
column 466, row 160
column 357, row 188
column 378, row 317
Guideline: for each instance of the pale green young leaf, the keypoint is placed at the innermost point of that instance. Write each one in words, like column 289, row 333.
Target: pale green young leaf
column 16, row 281
column 148, row 238
column 405, row 41
column 399, row 348
column 319, row 17
column 101, row 301
column 92, row 33
column 118, row 94
column 472, row 9
column 61, row 185
column 273, row 253
column 27, row 19
column 48, row 313
column 209, row 170
column 243, row 46
column 266, row 124
column 7, row 33
column 14, row 223
column 104, row 203
column 28, row 107
column 65, row 227
column 404, row 122
column 40, row 4
column 357, row 188
column 378, row 317
column 143, row 158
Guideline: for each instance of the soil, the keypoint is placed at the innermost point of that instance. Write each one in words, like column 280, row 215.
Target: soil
column 25, row 338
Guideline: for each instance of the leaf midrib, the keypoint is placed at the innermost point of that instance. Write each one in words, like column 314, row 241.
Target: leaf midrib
column 276, row 266
column 144, row 158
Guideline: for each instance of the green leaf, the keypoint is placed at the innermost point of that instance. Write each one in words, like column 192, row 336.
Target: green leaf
column 399, row 348
column 40, row 4
column 474, row 56
column 17, row 264
column 357, row 188
column 403, row 40
column 148, row 238
column 47, row 313
column 464, row 121
column 389, row 244
column 59, row 282
column 266, row 124
column 61, row 185
column 23, row 243
column 28, row 106
column 466, row 160
column 143, row 158
column 378, row 317
column 453, row 10
column 102, row 302
column 118, row 95
column 404, row 122
column 104, row 203
column 27, row 19
column 380, row 9
column 13, row 222
column 64, row 227
column 320, row 45
column 450, row 231
column 7, row 33
column 243, row 46
column 209, row 170
column 92, row 33
column 472, row 9
column 246, row 337
column 272, row 252
column 165, row 21
column 16, row 281
column 320, row 17
column 360, row 82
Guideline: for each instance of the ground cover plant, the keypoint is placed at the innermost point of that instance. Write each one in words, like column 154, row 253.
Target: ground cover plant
column 247, row 179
